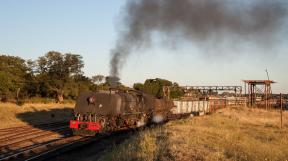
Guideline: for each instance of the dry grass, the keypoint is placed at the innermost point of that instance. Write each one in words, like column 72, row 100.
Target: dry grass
column 230, row 134
column 13, row 115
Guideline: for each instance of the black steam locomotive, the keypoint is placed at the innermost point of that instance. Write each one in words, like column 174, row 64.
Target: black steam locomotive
column 117, row 109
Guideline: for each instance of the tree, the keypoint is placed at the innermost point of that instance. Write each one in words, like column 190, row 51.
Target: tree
column 155, row 88
column 52, row 75
column 138, row 86
column 176, row 91
column 97, row 79
column 58, row 72
column 6, row 85
column 13, row 75
column 73, row 64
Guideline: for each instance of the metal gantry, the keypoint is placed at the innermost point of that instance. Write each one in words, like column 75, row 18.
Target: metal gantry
column 236, row 89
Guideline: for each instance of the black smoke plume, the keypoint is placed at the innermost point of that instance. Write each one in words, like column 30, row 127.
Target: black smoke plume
column 194, row 21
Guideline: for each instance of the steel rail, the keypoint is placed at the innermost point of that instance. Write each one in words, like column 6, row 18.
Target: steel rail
column 43, row 145
column 30, row 136
column 21, row 128
column 26, row 132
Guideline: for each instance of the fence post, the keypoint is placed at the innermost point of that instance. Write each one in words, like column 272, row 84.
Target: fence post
column 281, row 108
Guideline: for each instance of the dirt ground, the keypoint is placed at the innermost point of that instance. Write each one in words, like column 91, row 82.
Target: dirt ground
column 12, row 115
column 229, row 134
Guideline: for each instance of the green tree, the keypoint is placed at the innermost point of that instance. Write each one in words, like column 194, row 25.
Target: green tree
column 58, row 73
column 138, row 86
column 176, row 91
column 6, row 85
column 52, row 75
column 155, row 88
column 13, row 75
column 98, row 79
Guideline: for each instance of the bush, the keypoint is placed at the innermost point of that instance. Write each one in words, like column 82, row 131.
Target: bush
column 4, row 99
column 20, row 102
column 40, row 100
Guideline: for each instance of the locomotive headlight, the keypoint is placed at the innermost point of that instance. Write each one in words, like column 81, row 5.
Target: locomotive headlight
column 91, row 100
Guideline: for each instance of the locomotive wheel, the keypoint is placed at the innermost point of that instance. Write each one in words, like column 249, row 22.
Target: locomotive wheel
column 83, row 132
column 75, row 132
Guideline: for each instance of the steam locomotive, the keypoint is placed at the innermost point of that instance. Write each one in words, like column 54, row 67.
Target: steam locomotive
column 97, row 112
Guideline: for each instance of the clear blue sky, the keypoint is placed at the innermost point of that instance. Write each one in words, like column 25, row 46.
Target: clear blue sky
column 31, row 28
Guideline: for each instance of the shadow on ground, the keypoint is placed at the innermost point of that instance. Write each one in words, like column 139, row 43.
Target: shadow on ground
column 54, row 120
column 93, row 150
column 46, row 125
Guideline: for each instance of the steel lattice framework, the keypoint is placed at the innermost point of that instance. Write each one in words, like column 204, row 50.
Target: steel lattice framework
column 236, row 89
column 255, row 90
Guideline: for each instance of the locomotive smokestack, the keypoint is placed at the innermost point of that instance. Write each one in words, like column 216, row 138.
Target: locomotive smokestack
column 203, row 23
column 113, row 81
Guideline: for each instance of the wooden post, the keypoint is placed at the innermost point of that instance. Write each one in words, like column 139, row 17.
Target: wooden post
column 266, row 98
column 281, row 108
column 245, row 88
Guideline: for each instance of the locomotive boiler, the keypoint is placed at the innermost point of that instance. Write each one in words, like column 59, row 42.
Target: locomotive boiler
column 117, row 109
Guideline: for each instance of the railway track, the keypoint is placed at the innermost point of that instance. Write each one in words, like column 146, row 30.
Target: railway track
column 35, row 151
column 29, row 142
column 67, row 147
column 93, row 146
column 23, row 144
column 67, row 144
column 68, row 151
column 23, row 140
column 28, row 132
column 25, row 127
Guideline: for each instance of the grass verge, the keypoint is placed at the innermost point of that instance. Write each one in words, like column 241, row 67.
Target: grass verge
column 229, row 134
